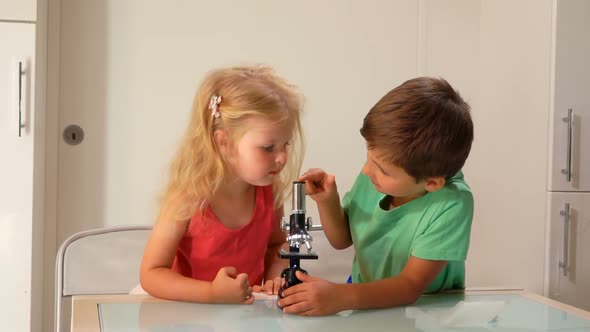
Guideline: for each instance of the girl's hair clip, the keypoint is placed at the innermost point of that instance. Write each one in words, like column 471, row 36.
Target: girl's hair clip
column 214, row 105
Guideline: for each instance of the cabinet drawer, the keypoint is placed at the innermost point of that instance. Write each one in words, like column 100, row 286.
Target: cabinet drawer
column 569, row 165
column 18, row 10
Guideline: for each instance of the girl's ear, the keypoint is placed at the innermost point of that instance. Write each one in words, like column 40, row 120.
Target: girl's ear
column 221, row 140
column 435, row 183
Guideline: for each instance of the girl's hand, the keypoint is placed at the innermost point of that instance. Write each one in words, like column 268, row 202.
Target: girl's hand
column 312, row 297
column 319, row 185
column 231, row 287
column 270, row 286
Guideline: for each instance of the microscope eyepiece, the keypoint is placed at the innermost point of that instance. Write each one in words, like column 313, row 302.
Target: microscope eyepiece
column 298, row 197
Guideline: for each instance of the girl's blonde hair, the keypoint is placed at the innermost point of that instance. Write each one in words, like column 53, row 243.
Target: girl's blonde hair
column 198, row 169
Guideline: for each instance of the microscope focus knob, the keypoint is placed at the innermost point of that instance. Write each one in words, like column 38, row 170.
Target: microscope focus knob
column 285, row 224
column 308, row 223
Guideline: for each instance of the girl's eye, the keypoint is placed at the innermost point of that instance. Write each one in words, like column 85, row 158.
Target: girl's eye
column 268, row 148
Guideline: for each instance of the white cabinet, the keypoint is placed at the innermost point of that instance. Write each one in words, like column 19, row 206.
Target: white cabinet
column 17, row 64
column 569, row 261
column 568, row 264
column 18, row 10
column 570, row 137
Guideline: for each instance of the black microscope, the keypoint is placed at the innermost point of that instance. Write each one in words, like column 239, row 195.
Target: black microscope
column 297, row 227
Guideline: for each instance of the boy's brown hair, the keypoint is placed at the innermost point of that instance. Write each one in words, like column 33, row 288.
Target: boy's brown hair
column 425, row 127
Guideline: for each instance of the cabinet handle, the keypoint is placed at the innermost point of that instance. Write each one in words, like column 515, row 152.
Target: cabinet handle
column 568, row 168
column 563, row 264
column 21, row 73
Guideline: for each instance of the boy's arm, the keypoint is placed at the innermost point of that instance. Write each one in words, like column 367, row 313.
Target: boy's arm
column 318, row 297
column 335, row 223
column 321, row 187
column 402, row 289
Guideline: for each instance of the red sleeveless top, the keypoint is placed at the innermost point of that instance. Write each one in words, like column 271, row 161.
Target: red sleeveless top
column 208, row 245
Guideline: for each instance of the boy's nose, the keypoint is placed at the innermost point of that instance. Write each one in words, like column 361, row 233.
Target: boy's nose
column 365, row 169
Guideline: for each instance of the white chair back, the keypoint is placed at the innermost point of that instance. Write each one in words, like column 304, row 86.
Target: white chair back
column 100, row 261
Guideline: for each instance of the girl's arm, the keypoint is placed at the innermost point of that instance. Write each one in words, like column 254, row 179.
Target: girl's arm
column 273, row 264
column 158, row 279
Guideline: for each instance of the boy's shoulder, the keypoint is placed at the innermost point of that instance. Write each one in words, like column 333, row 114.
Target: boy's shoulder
column 455, row 188
column 457, row 182
column 455, row 195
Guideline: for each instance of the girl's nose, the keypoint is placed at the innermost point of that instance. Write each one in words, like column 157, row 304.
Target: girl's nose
column 281, row 158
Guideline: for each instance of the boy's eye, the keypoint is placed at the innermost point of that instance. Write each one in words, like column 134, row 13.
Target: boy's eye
column 381, row 169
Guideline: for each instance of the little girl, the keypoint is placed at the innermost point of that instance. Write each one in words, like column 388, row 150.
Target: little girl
column 218, row 231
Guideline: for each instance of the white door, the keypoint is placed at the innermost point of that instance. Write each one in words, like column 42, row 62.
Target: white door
column 16, row 174
column 569, row 261
column 570, row 165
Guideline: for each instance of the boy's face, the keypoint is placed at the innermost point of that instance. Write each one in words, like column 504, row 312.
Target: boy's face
column 390, row 179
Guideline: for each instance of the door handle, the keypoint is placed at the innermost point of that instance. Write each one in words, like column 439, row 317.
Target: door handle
column 563, row 264
column 567, row 171
column 21, row 120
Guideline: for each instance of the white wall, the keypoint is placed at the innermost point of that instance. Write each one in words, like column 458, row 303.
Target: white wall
column 129, row 69
column 511, row 154
column 480, row 47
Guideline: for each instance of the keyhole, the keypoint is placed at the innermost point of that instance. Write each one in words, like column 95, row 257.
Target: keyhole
column 73, row 135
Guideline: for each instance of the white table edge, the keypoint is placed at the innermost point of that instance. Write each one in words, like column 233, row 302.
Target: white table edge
column 85, row 307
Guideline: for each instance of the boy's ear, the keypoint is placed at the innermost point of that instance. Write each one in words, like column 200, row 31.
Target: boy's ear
column 435, row 183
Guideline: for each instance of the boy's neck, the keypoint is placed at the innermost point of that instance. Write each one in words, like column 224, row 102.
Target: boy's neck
column 399, row 201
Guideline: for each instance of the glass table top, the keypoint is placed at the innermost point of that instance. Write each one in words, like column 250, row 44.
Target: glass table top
column 448, row 312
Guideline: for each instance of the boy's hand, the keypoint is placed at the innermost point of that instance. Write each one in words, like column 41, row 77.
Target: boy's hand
column 269, row 287
column 312, row 297
column 319, row 185
column 231, row 287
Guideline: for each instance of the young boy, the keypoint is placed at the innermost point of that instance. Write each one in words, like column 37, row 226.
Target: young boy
column 408, row 214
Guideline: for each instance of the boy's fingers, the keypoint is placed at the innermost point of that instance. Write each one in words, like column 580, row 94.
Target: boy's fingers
column 303, row 276
column 313, row 174
column 330, row 179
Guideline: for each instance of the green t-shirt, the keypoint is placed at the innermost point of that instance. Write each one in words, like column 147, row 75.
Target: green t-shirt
column 435, row 226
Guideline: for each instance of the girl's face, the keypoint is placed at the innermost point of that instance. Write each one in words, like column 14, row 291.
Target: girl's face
column 261, row 153
column 390, row 179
